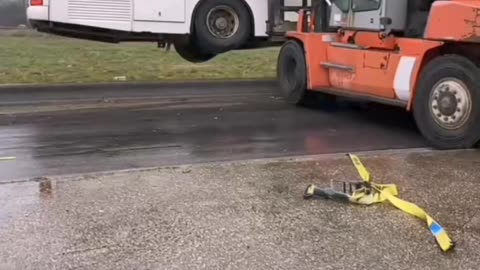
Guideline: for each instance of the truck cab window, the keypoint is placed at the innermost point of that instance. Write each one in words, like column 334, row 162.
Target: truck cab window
column 343, row 5
column 365, row 5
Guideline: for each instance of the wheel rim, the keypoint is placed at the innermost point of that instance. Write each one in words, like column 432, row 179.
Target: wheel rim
column 222, row 22
column 450, row 103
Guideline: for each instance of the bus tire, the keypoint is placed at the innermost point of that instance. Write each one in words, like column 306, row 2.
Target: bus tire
column 222, row 25
column 447, row 103
column 188, row 51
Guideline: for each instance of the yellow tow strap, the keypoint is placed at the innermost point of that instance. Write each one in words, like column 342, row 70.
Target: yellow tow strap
column 7, row 158
column 368, row 193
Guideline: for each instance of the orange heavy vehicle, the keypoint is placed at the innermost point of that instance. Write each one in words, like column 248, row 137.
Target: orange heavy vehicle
column 421, row 55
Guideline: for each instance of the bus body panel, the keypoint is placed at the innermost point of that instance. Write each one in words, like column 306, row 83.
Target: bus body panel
column 166, row 16
column 165, row 26
column 109, row 14
column 159, row 11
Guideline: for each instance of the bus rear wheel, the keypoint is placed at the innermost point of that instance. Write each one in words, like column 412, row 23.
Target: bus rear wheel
column 187, row 49
column 222, row 25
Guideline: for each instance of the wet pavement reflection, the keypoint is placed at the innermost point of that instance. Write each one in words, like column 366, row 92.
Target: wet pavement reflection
column 188, row 127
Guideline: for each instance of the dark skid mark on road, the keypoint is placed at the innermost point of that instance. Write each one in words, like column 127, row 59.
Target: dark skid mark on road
column 234, row 122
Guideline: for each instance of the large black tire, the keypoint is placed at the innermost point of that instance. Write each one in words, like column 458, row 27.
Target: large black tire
column 234, row 14
column 187, row 49
column 292, row 73
column 446, row 107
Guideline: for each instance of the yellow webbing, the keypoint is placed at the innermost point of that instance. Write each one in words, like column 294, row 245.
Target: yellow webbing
column 389, row 193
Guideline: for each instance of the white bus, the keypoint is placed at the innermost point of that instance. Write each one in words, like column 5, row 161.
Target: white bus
column 199, row 29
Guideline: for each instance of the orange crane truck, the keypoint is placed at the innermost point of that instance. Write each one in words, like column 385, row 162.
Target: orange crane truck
column 421, row 55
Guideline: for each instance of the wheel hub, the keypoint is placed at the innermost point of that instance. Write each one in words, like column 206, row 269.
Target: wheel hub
column 222, row 22
column 447, row 104
column 450, row 103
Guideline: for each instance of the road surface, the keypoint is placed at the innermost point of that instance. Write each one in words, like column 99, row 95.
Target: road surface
column 237, row 215
column 70, row 130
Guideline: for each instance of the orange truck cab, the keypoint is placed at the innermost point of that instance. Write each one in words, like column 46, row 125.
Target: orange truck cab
column 422, row 55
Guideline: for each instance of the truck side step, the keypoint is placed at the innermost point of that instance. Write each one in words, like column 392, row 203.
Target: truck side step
column 346, row 45
column 337, row 66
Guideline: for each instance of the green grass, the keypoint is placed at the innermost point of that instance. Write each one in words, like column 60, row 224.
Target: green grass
column 52, row 60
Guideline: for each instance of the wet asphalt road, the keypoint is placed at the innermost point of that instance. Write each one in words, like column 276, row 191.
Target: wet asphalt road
column 73, row 130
